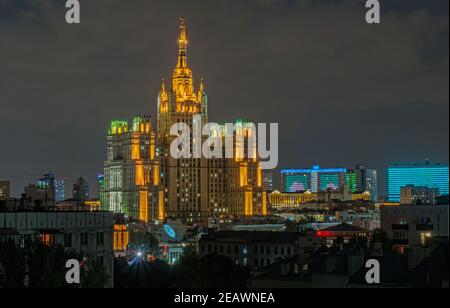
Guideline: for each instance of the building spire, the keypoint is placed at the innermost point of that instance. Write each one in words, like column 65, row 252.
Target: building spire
column 163, row 86
column 182, row 79
column 202, row 85
column 182, row 45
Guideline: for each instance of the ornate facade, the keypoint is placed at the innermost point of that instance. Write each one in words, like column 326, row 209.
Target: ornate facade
column 189, row 189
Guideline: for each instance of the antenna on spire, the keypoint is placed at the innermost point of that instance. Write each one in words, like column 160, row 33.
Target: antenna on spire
column 182, row 45
column 202, row 85
column 163, row 86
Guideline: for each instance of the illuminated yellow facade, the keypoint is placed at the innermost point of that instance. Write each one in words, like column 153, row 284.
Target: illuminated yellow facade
column 121, row 238
column 199, row 188
column 264, row 203
column 259, row 176
column 248, row 203
column 243, row 174
column 290, row 200
column 131, row 171
column 281, row 200
column 161, row 207
column 93, row 205
column 365, row 196
column 145, row 182
column 143, row 206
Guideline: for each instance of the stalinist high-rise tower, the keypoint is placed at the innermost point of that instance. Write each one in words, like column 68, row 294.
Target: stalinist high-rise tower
column 199, row 188
column 145, row 182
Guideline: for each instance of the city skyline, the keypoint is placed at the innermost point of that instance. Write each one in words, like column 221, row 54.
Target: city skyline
column 246, row 145
column 379, row 125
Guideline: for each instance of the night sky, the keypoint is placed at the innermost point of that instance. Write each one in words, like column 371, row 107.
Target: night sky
column 343, row 92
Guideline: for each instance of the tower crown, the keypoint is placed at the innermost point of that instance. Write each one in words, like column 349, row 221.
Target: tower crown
column 182, row 45
column 182, row 79
column 182, row 97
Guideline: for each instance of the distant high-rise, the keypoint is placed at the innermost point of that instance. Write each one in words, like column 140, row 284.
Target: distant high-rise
column 60, row 193
column 5, row 187
column 81, row 190
column 44, row 192
column 418, row 195
column 145, row 181
column 314, row 180
column 372, row 183
column 199, row 188
column 362, row 179
column 101, row 187
column 131, row 181
column 430, row 175
column 360, row 172
column 351, row 181
column 47, row 191
column 268, row 180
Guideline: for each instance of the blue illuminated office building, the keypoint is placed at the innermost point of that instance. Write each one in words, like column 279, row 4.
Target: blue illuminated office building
column 427, row 175
column 314, row 180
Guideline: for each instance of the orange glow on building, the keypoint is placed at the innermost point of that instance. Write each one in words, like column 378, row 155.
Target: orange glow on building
column 161, row 212
column 248, row 203
column 259, row 176
column 156, row 175
column 264, row 203
column 47, row 239
column 143, row 206
column 239, row 151
column 243, row 175
column 135, row 151
column 152, row 151
column 291, row 200
column 140, row 175
column 94, row 205
column 121, row 238
column 362, row 196
column 390, row 204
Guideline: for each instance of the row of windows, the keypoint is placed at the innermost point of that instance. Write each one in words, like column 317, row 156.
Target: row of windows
column 237, row 249
column 50, row 239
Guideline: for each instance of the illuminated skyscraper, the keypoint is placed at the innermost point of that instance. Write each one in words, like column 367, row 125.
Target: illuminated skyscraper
column 131, row 171
column 199, row 188
column 351, row 181
column 143, row 180
column 372, row 184
column 46, row 184
column 314, row 180
column 362, row 179
column 426, row 175
column 60, row 194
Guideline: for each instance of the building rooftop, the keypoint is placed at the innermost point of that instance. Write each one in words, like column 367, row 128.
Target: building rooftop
column 419, row 165
column 253, row 236
column 315, row 169
column 343, row 227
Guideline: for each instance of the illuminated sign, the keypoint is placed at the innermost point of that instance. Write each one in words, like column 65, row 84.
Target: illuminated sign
column 170, row 231
column 324, row 234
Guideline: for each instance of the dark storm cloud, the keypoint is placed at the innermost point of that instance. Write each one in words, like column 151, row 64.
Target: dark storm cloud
column 344, row 92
